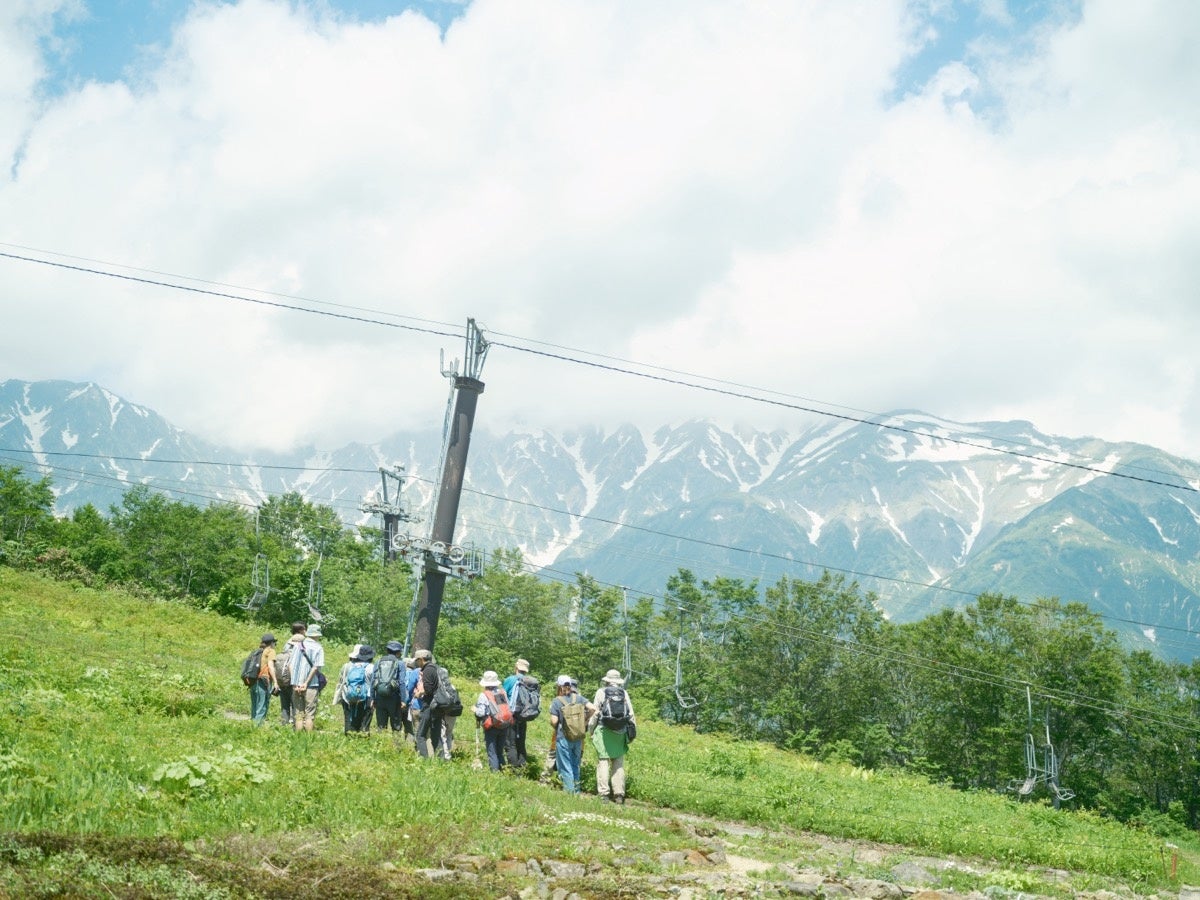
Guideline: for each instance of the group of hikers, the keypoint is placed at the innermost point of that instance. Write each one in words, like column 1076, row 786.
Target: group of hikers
column 414, row 696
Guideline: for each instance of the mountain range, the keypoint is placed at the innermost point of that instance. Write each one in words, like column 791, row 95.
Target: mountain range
column 924, row 512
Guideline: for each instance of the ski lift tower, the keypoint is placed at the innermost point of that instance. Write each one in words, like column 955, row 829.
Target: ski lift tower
column 466, row 389
column 391, row 513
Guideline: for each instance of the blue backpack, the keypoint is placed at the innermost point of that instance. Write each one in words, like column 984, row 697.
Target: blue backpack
column 357, row 689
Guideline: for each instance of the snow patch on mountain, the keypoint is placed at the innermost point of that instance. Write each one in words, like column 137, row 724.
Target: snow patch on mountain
column 814, row 528
column 68, row 438
column 1161, row 535
column 114, row 406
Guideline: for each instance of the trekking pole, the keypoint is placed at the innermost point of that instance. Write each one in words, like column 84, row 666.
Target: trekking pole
column 477, row 764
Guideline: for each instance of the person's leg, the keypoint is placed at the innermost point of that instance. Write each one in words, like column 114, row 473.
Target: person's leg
column 258, row 702
column 310, row 707
column 448, row 723
column 577, row 763
column 562, row 760
column 423, row 726
column 285, row 706
column 494, row 742
column 510, row 745
column 602, row 788
column 618, row 779
column 519, row 739
column 347, row 717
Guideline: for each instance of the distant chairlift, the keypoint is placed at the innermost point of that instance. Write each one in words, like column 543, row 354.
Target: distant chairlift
column 685, row 701
column 315, row 593
column 260, row 575
column 1043, row 771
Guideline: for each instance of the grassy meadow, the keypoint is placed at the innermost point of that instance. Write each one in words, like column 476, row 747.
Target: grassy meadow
column 129, row 768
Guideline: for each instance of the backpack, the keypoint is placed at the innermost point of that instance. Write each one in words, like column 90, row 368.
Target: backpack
column 528, row 703
column 446, row 696
column 356, row 690
column 502, row 716
column 251, row 666
column 283, row 666
column 614, row 712
column 574, row 719
column 387, row 676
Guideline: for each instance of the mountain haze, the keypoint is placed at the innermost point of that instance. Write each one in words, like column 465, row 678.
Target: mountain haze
column 924, row 512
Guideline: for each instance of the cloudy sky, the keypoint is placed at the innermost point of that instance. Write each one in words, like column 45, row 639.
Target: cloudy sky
column 981, row 209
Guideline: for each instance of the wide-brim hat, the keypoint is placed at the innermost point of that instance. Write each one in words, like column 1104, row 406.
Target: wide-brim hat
column 267, row 638
column 313, row 631
column 612, row 676
column 489, row 679
column 522, row 665
column 394, row 647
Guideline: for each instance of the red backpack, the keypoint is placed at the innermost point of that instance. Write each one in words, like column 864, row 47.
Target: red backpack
column 500, row 716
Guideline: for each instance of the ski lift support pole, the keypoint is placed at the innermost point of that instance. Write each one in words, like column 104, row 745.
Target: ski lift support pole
column 467, row 388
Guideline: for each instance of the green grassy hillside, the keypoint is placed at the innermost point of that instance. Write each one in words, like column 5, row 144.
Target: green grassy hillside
column 129, row 768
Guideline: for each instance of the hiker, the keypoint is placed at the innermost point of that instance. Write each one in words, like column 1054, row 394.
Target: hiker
column 308, row 659
column 568, row 717
column 391, row 702
column 283, row 674
column 412, row 677
column 449, row 718
column 493, row 714
column 515, row 744
column 262, row 680
column 611, row 724
column 354, row 690
column 429, row 725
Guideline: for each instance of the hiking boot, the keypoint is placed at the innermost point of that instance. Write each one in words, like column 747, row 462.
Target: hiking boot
column 605, row 798
column 619, row 798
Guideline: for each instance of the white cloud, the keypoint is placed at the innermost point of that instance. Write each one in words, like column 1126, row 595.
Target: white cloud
column 715, row 187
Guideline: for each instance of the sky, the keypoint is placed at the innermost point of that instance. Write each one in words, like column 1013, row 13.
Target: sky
column 980, row 209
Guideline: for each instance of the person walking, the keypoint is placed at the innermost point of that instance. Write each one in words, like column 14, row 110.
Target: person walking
column 282, row 667
column 429, row 725
column 354, row 690
column 412, row 716
column 391, row 703
column 611, row 721
column 568, row 717
column 308, row 660
column 492, row 713
column 515, row 739
column 262, row 680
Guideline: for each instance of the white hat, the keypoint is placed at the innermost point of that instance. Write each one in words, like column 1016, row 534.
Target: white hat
column 522, row 665
column 313, row 631
column 564, row 680
column 612, row 676
column 489, row 679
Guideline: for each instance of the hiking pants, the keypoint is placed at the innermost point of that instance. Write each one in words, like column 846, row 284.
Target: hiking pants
column 429, row 731
column 388, row 712
column 260, row 699
column 568, row 757
column 495, row 740
column 285, row 706
column 514, row 747
column 617, row 767
column 356, row 716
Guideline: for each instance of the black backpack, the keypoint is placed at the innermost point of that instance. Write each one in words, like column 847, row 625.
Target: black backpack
column 446, row 696
column 251, row 667
column 387, row 676
column 614, row 711
column 527, row 705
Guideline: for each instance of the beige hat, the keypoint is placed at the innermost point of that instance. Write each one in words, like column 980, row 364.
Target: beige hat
column 523, row 665
column 422, row 654
column 612, row 676
column 489, row 679
column 314, row 631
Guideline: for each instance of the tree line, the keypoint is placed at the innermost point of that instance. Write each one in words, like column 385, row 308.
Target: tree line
column 812, row 666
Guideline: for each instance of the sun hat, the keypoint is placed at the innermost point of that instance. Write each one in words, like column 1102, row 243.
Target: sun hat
column 612, row 676
column 356, row 652
column 268, row 638
column 523, row 665
column 423, row 654
column 489, row 679
column 564, row 680
column 393, row 647
column 314, row 631
column 366, row 652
